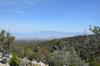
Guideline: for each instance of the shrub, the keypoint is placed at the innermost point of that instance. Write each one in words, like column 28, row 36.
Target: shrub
column 15, row 60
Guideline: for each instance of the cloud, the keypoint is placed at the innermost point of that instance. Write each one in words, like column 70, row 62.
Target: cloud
column 18, row 2
column 17, row 6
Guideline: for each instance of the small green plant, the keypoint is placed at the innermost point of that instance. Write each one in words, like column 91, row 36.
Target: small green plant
column 94, row 63
column 15, row 60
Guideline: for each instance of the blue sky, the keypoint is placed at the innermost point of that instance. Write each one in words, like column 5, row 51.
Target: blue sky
column 20, row 16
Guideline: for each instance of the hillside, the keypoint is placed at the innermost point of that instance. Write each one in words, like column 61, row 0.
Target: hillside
column 87, row 48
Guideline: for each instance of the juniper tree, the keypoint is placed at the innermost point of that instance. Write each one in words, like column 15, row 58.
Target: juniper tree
column 6, row 40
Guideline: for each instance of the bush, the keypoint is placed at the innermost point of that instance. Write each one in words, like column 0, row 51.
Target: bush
column 15, row 60
column 94, row 63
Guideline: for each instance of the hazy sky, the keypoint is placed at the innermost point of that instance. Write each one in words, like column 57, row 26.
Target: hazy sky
column 20, row 16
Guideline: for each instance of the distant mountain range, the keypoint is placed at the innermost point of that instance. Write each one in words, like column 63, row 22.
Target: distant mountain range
column 46, row 35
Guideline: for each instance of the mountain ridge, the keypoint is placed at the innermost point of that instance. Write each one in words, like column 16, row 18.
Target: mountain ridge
column 45, row 35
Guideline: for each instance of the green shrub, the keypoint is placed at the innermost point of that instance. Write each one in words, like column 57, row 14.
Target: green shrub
column 94, row 63
column 15, row 60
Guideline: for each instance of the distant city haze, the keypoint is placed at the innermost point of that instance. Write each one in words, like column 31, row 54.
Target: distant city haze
column 48, row 18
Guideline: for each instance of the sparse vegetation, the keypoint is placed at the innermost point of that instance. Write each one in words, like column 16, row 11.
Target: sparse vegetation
column 72, row 51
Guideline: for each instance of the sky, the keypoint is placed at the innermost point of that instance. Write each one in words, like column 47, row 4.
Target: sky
column 25, row 16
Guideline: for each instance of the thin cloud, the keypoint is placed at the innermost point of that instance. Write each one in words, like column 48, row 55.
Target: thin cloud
column 17, row 6
column 18, row 2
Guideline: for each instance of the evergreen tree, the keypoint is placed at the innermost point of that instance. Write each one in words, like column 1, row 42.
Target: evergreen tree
column 95, row 29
